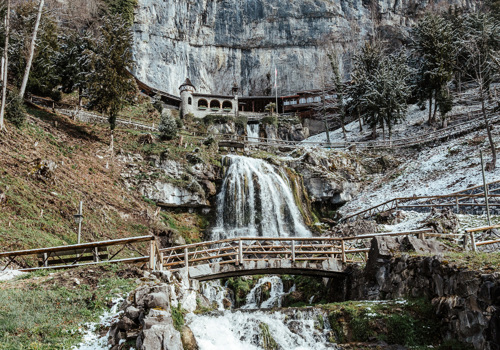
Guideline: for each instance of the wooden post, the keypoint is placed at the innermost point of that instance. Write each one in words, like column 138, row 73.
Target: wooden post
column 152, row 254
column 293, row 250
column 45, row 260
column 456, row 203
column 96, row 254
column 473, row 242
column 240, row 251
column 485, row 190
column 161, row 261
column 186, row 258
column 343, row 251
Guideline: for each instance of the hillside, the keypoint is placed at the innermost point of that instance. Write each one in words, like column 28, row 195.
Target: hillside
column 50, row 165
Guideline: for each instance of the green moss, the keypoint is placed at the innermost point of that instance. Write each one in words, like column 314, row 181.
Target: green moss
column 177, row 316
column 266, row 341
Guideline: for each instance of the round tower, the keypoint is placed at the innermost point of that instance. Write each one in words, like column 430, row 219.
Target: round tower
column 187, row 89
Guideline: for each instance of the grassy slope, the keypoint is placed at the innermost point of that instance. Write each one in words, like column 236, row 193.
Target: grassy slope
column 48, row 311
column 39, row 212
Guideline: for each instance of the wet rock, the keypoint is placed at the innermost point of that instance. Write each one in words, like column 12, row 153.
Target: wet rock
column 157, row 300
column 188, row 340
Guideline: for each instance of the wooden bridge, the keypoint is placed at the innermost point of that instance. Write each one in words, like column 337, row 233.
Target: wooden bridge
column 470, row 200
column 314, row 256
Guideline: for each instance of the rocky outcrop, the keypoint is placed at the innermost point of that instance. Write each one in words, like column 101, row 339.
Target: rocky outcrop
column 468, row 302
column 147, row 317
column 217, row 43
column 330, row 181
column 170, row 182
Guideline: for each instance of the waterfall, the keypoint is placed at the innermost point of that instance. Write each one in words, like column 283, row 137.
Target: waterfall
column 306, row 329
column 253, row 132
column 256, row 201
column 254, row 297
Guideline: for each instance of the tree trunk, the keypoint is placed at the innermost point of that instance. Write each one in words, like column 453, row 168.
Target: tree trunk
column 435, row 110
column 359, row 120
column 490, row 166
column 6, row 65
column 374, row 131
column 430, row 109
column 32, row 51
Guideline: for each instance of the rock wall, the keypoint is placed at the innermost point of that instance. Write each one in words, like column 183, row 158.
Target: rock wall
column 217, row 43
column 468, row 302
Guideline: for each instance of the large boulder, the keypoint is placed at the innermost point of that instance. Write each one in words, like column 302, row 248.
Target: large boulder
column 442, row 221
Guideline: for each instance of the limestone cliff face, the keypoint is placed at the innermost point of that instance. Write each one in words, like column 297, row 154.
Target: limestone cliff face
column 217, row 43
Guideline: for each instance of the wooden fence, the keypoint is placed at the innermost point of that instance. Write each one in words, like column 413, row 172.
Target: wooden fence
column 83, row 254
column 468, row 198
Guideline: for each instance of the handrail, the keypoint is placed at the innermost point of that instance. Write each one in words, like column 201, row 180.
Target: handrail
column 77, row 246
column 73, row 255
column 455, row 195
column 294, row 248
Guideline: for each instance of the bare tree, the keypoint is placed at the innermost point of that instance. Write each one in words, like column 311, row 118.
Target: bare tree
column 481, row 62
column 32, row 50
column 5, row 65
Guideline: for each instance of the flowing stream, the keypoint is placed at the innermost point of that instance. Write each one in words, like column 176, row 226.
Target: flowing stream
column 255, row 200
column 250, row 329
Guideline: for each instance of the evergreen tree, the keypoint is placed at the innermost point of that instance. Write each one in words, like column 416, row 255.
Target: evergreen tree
column 110, row 85
column 72, row 63
column 433, row 42
column 366, row 63
column 168, row 125
column 386, row 93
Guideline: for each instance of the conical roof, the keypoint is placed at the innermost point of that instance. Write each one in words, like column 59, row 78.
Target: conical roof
column 187, row 82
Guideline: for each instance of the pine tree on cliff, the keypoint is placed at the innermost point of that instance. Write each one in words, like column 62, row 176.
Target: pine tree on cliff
column 433, row 44
column 110, row 85
column 366, row 63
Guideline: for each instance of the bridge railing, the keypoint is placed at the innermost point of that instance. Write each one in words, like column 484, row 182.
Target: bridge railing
column 112, row 251
column 295, row 249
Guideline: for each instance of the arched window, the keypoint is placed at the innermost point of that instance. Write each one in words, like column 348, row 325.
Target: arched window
column 310, row 100
column 214, row 105
column 202, row 104
column 190, row 101
column 317, row 99
column 302, row 100
column 227, row 106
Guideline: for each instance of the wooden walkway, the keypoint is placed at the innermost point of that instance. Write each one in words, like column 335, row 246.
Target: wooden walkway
column 313, row 256
column 470, row 200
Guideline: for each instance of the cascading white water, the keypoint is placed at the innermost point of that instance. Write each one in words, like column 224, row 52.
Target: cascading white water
column 276, row 293
column 253, row 132
column 256, row 201
column 215, row 293
column 295, row 330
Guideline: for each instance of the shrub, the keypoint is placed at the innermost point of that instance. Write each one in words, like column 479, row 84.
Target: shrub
column 217, row 119
column 168, row 126
column 15, row 111
column 241, row 123
column 271, row 120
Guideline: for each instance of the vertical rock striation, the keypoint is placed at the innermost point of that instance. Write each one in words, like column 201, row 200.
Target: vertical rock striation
column 217, row 43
